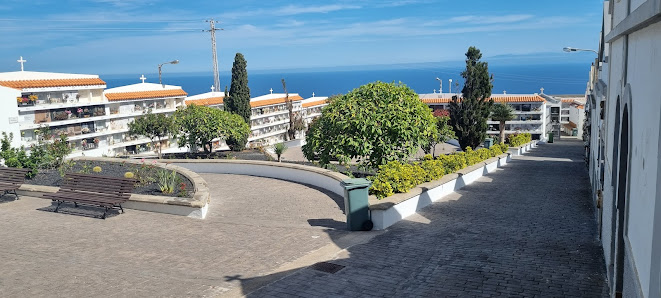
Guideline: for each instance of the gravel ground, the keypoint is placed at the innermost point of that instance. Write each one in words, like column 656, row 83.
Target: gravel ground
column 110, row 169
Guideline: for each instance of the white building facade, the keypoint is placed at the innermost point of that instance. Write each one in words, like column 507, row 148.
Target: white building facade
column 623, row 145
column 95, row 121
column 269, row 118
column 530, row 112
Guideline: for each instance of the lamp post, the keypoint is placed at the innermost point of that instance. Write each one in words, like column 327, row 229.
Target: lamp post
column 570, row 49
column 159, row 69
column 450, row 85
column 440, row 82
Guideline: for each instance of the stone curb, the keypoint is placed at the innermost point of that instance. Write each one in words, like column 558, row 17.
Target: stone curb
column 335, row 175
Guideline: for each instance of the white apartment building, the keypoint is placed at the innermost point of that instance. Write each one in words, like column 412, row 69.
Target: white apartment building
column 269, row 118
column 124, row 104
column 67, row 103
column 76, row 105
column 530, row 111
column 624, row 145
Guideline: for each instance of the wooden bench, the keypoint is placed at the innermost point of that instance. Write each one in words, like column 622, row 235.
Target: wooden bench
column 94, row 190
column 11, row 179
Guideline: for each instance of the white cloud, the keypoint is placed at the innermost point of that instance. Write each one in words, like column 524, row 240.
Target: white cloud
column 295, row 10
column 471, row 19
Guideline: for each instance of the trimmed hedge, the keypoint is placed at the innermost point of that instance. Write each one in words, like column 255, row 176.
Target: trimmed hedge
column 518, row 139
column 397, row 177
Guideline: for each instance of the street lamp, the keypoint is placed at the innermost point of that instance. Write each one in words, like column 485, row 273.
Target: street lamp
column 159, row 69
column 570, row 49
column 450, row 85
column 440, row 82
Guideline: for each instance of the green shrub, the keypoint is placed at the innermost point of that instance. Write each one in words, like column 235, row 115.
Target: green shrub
column 433, row 169
column 516, row 140
column 167, row 181
column 397, row 177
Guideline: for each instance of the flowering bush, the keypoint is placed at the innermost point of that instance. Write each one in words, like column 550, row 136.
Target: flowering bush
column 516, row 140
column 129, row 175
column 396, row 177
column 96, row 169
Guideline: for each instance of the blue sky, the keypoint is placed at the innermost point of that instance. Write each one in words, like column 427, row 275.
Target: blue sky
column 133, row 36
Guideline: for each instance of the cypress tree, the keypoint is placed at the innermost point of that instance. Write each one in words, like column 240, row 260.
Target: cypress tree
column 468, row 116
column 238, row 101
column 239, row 98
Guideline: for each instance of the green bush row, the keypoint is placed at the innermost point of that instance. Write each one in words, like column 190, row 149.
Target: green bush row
column 43, row 155
column 518, row 139
column 397, row 177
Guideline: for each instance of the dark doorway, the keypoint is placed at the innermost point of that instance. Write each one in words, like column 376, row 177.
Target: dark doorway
column 614, row 182
column 623, row 166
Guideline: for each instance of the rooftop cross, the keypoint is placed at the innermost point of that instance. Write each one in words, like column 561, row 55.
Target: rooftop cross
column 21, row 61
column 542, row 90
column 213, row 88
column 142, row 77
column 312, row 94
column 271, row 90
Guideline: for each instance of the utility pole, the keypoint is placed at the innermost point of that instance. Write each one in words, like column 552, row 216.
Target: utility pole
column 213, row 29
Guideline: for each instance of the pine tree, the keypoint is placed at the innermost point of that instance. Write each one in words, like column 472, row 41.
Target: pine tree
column 468, row 115
column 239, row 99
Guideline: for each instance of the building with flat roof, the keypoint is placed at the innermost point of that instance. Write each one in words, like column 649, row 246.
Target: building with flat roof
column 269, row 118
column 95, row 121
column 530, row 111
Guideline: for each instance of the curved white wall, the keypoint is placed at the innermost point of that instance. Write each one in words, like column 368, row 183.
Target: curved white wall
column 296, row 173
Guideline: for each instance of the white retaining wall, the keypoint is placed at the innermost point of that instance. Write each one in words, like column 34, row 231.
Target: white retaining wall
column 427, row 193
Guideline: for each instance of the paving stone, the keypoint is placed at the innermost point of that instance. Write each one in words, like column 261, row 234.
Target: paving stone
column 254, row 226
column 522, row 231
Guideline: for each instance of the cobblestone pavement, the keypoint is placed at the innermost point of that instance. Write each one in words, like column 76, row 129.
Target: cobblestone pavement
column 254, row 226
column 524, row 231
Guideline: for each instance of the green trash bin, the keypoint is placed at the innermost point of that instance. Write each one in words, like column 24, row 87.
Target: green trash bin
column 356, row 206
column 574, row 132
column 488, row 143
column 550, row 137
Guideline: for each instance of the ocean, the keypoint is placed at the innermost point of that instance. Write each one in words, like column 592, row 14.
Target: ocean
column 569, row 78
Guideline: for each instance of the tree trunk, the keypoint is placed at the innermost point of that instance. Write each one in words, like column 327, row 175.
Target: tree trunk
column 160, row 153
column 502, row 132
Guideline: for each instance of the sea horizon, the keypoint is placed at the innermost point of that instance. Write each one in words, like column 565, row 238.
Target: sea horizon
column 556, row 78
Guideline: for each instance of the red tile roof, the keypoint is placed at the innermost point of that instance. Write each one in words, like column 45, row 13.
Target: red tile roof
column 267, row 102
column 145, row 94
column 513, row 98
column 314, row 103
column 23, row 84
column 206, row 101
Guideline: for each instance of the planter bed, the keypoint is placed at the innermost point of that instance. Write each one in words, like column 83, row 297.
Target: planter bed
column 111, row 169
column 389, row 210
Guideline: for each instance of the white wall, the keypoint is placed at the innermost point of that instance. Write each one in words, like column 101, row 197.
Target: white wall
column 643, row 75
column 9, row 113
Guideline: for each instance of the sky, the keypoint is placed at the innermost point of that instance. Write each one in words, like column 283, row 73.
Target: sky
column 134, row 36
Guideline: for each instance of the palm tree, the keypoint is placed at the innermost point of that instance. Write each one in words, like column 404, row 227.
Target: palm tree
column 502, row 112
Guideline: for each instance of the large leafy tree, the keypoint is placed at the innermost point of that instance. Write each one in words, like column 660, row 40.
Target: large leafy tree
column 238, row 101
column 502, row 112
column 468, row 115
column 198, row 126
column 153, row 126
column 374, row 123
column 443, row 132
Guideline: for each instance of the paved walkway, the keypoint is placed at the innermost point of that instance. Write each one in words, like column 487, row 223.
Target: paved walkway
column 255, row 225
column 526, row 230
